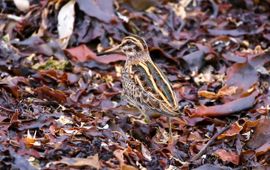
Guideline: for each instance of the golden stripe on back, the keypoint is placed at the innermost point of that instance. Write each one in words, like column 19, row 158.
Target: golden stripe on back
column 142, row 77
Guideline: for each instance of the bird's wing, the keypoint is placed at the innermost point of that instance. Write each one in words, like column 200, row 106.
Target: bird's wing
column 155, row 86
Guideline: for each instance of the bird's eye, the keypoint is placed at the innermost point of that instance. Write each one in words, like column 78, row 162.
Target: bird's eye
column 128, row 43
column 137, row 48
column 129, row 49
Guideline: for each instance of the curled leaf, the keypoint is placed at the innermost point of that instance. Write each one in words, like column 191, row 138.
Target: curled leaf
column 234, row 130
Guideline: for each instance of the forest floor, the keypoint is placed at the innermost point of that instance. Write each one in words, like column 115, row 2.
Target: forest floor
column 60, row 104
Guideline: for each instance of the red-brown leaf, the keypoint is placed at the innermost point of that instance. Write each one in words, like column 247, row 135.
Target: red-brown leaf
column 234, row 130
column 260, row 139
column 225, row 109
column 51, row 94
column 227, row 156
column 81, row 53
column 107, row 59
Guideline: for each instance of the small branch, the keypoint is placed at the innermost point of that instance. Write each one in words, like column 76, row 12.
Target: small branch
column 6, row 109
column 198, row 155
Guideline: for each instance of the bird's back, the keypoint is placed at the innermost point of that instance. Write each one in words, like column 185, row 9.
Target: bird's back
column 145, row 84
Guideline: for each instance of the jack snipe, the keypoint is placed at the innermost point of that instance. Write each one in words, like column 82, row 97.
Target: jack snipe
column 144, row 84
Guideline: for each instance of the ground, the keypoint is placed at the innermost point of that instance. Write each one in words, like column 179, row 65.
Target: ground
column 60, row 101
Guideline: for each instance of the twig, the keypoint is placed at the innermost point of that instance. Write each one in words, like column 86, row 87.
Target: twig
column 6, row 109
column 198, row 155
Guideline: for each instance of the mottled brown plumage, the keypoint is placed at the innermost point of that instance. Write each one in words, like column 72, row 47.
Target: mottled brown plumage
column 144, row 85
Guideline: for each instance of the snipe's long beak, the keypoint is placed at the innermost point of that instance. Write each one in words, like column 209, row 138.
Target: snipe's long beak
column 115, row 49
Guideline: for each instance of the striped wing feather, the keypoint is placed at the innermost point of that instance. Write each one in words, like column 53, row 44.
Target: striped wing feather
column 155, row 88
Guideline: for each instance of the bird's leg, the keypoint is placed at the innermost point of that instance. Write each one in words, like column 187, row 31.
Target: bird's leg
column 170, row 126
column 144, row 115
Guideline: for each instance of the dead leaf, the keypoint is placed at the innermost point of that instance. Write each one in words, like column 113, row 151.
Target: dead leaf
column 227, row 91
column 66, row 18
column 211, row 167
column 141, row 5
column 234, row 130
column 22, row 5
column 102, row 9
column 81, row 53
column 234, row 32
column 227, row 156
column 19, row 161
column 195, row 136
column 234, row 57
column 146, row 153
column 119, row 154
column 207, row 94
column 243, row 76
column 263, row 149
column 51, row 94
column 12, row 83
column 261, row 137
column 259, row 62
column 225, row 109
column 92, row 161
column 128, row 167
column 224, row 91
column 194, row 60
column 107, row 59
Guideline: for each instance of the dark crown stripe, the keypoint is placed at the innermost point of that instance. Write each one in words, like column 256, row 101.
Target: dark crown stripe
column 137, row 41
column 143, row 43
column 163, row 84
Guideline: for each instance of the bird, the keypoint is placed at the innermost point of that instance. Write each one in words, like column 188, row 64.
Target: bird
column 144, row 84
